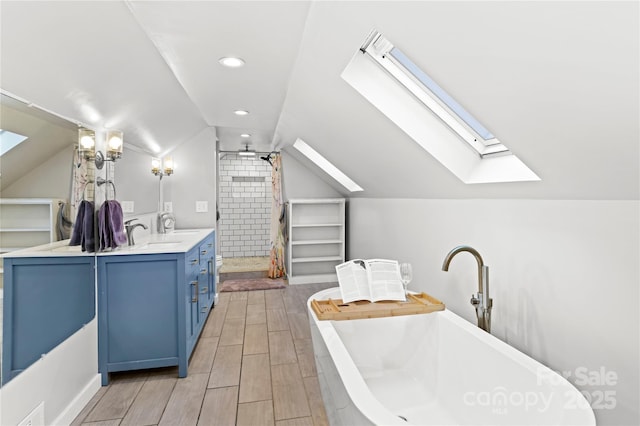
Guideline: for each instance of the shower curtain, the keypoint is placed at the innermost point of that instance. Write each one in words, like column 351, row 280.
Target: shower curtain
column 81, row 178
column 278, row 221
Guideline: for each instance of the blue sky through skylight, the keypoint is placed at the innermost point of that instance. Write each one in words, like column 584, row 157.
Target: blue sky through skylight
column 8, row 140
column 441, row 94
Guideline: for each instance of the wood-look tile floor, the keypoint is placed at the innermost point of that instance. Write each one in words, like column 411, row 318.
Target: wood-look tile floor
column 253, row 365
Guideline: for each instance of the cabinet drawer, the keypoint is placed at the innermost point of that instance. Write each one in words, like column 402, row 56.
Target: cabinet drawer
column 206, row 249
column 192, row 262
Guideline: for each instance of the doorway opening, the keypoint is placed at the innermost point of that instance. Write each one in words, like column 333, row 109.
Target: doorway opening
column 244, row 196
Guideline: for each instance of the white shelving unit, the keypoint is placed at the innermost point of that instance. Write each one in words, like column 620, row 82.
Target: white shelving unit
column 316, row 240
column 27, row 222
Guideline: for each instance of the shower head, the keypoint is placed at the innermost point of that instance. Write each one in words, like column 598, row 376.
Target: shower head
column 267, row 158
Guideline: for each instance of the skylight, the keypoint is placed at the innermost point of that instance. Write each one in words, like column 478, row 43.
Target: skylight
column 8, row 140
column 326, row 165
column 394, row 84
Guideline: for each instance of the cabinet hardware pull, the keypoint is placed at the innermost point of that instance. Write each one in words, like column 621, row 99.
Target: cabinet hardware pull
column 204, row 309
column 204, row 252
column 210, row 266
column 194, row 290
column 203, row 290
column 194, row 261
column 210, row 245
column 203, row 271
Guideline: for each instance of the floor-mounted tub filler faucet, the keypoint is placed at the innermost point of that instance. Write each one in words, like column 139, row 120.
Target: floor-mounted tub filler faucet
column 481, row 300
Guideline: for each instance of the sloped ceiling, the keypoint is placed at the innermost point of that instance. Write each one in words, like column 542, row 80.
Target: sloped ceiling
column 556, row 81
column 46, row 136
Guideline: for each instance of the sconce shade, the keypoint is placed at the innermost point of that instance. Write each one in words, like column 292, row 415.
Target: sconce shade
column 168, row 165
column 86, row 142
column 155, row 166
column 115, row 144
column 158, row 169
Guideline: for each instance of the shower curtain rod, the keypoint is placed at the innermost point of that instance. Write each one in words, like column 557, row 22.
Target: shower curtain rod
column 257, row 152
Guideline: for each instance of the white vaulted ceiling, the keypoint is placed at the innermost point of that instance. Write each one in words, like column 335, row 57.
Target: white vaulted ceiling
column 555, row 81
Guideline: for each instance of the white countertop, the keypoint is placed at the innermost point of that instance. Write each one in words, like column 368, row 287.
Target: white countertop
column 177, row 241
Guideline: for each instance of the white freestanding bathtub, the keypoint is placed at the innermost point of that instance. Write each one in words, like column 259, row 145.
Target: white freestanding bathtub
column 434, row 369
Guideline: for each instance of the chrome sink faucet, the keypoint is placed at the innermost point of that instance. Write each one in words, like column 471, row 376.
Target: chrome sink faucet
column 481, row 300
column 129, row 227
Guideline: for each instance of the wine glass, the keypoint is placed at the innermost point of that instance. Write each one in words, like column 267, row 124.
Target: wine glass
column 406, row 274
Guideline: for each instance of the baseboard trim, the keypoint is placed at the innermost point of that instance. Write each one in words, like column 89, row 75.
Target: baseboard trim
column 79, row 402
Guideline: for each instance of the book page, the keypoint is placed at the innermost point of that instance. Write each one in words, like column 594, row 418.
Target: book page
column 385, row 280
column 353, row 281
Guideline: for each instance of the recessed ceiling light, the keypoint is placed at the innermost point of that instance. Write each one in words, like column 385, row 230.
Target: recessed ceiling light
column 241, row 112
column 245, row 135
column 231, row 62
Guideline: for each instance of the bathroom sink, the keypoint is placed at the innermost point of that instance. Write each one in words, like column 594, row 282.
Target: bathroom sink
column 70, row 249
column 157, row 245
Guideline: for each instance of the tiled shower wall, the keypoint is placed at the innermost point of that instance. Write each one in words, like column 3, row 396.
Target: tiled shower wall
column 245, row 206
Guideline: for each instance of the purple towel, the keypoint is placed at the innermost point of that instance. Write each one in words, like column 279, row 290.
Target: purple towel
column 102, row 227
column 76, row 234
column 116, row 223
column 88, row 240
column 83, row 231
column 110, row 225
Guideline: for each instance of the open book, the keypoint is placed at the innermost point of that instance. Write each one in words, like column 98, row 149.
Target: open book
column 373, row 280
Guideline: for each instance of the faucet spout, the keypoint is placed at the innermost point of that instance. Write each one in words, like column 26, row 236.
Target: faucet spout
column 129, row 227
column 474, row 252
column 481, row 301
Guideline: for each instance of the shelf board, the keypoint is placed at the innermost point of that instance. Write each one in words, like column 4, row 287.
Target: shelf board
column 314, row 225
column 41, row 229
column 312, row 278
column 22, row 201
column 314, row 242
column 316, row 259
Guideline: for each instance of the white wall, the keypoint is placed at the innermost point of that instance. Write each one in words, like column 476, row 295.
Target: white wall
column 300, row 182
column 64, row 380
column 135, row 182
column 194, row 180
column 564, row 276
column 51, row 179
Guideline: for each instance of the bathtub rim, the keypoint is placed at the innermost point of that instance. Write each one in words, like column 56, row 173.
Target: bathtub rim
column 359, row 391
column 354, row 383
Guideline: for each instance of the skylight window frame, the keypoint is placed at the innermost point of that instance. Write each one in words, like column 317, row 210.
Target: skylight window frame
column 326, row 166
column 380, row 50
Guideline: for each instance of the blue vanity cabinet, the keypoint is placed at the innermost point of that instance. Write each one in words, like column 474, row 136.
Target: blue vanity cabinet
column 207, row 276
column 46, row 300
column 150, row 310
column 192, row 297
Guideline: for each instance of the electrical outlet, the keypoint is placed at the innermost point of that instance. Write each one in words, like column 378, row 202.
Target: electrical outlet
column 127, row 206
column 168, row 206
column 202, row 206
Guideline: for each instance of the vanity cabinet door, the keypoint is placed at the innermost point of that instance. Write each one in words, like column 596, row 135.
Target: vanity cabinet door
column 192, row 296
column 206, row 253
column 138, row 312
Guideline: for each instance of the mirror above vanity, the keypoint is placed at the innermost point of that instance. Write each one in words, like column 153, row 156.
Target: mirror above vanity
column 35, row 175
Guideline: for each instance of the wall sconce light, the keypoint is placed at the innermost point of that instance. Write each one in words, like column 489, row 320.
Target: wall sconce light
column 115, row 143
column 158, row 169
column 87, row 146
column 86, row 143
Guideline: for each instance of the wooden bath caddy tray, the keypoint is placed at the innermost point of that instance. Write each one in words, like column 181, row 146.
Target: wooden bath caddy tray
column 334, row 309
